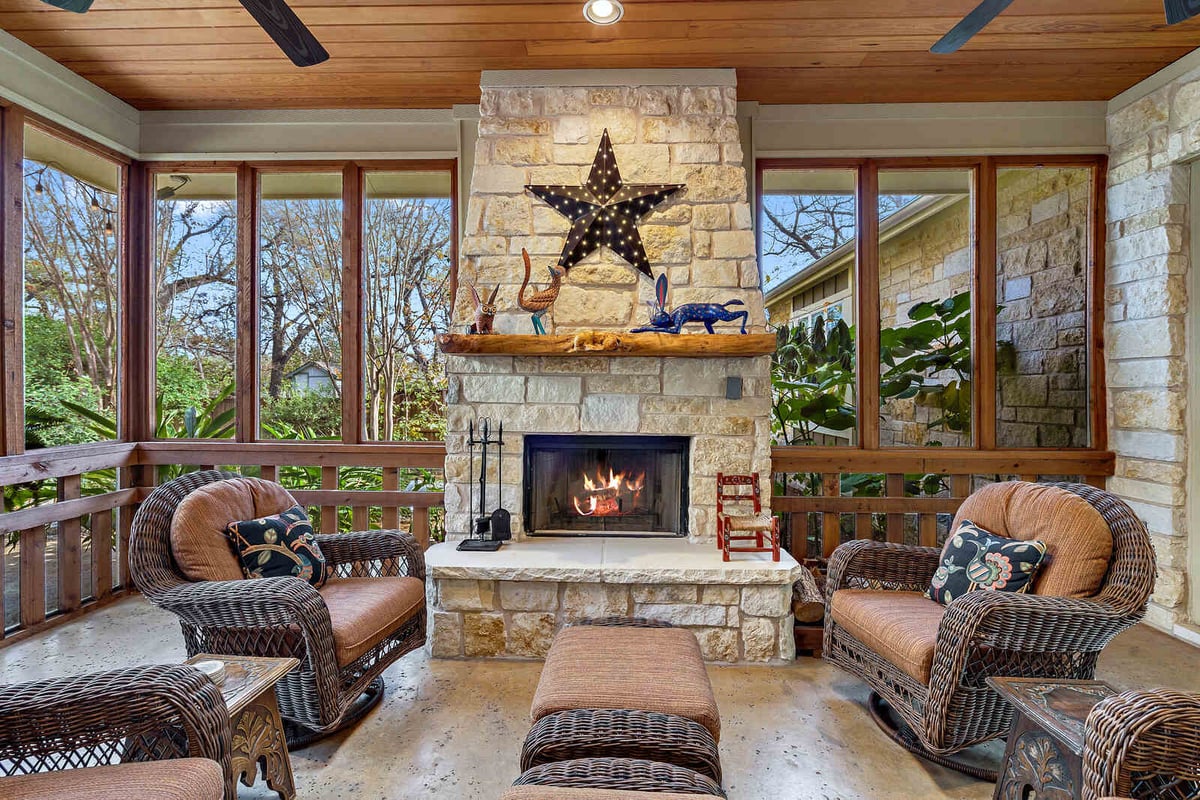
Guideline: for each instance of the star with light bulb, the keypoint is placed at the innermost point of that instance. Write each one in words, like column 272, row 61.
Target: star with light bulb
column 604, row 212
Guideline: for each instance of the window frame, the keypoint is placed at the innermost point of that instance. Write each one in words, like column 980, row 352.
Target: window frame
column 984, row 171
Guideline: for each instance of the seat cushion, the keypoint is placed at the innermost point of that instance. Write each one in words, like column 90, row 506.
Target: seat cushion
column 647, row 669
column 177, row 779
column 1078, row 541
column 569, row 793
column 900, row 626
column 763, row 522
column 365, row 611
column 202, row 549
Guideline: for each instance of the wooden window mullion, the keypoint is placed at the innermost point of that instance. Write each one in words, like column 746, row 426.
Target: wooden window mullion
column 12, row 283
column 867, row 311
column 352, row 303
column 983, row 308
column 246, row 344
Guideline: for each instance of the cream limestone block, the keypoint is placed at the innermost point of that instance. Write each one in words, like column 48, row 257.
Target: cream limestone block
column 612, row 96
column 696, row 153
column 711, row 183
column 624, row 384
column 577, row 154
column 530, row 635
column 571, row 130
column 494, row 388
column 466, row 595
column 710, row 616
column 522, row 103
column 593, row 600
column 636, row 366
column 658, row 101
column 664, row 593
column 554, row 175
column 645, row 163
column 719, row 595
column 508, row 216
column 621, row 124
column 560, row 101
column 767, row 601
column 666, row 244
column 446, row 635
column 602, row 271
column 521, row 150
column 528, row 595
column 484, row 245
column 711, row 217
column 527, row 126
column 602, row 308
column 718, row 644
column 549, row 389
column 483, row 635
column 732, row 244
column 611, row 413
column 498, row 179
column 759, row 638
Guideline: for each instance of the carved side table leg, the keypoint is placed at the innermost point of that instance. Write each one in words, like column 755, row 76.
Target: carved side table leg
column 258, row 737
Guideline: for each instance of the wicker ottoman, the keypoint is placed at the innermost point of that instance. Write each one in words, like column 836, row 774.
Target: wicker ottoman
column 643, row 669
column 611, row 779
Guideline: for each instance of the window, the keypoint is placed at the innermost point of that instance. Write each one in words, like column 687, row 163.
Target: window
column 407, row 232
column 808, row 220
column 951, row 372
column 195, row 308
column 300, row 304
column 72, row 219
column 926, row 264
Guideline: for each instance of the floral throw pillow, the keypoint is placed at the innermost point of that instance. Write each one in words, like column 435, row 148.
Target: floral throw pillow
column 974, row 558
column 279, row 545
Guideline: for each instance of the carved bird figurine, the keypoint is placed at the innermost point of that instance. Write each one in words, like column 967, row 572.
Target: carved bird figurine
column 539, row 302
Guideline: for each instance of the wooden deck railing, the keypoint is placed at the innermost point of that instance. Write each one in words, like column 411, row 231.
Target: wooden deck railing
column 69, row 554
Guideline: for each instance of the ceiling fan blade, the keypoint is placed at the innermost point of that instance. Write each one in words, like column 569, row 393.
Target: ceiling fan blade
column 973, row 23
column 282, row 25
column 1181, row 10
column 78, row 6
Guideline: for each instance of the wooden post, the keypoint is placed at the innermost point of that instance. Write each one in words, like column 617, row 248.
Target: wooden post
column 831, row 524
column 246, row 390
column 983, row 308
column 32, row 576
column 895, row 522
column 1097, row 372
column 70, row 561
column 867, row 293
column 137, row 381
column 102, row 531
column 390, row 517
column 12, row 286
column 420, row 527
column 329, row 514
column 352, row 305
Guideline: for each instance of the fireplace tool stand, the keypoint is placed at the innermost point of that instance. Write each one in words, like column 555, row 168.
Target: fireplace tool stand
column 489, row 530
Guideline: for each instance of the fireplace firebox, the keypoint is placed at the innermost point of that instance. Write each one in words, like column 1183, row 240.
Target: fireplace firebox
column 606, row 485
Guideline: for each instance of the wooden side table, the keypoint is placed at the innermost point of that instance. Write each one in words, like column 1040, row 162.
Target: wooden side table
column 249, row 692
column 1044, row 757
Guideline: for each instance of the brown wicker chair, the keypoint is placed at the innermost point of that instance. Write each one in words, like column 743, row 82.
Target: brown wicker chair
column 281, row 616
column 101, row 729
column 1143, row 745
column 984, row 634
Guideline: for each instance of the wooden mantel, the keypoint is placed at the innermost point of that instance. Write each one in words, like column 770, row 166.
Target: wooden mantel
column 610, row 343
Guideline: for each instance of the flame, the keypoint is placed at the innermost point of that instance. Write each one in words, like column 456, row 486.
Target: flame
column 603, row 495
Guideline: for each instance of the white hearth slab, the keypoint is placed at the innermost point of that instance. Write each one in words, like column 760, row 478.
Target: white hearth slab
column 610, row 560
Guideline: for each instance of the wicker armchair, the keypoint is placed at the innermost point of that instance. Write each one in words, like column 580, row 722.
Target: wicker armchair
column 282, row 616
column 91, row 736
column 984, row 634
column 1144, row 745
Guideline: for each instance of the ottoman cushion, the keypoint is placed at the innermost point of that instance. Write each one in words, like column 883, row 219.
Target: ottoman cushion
column 569, row 793
column 646, row 669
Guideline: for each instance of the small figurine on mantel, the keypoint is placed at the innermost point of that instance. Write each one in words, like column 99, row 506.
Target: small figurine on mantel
column 539, row 302
column 664, row 321
column 485, row 312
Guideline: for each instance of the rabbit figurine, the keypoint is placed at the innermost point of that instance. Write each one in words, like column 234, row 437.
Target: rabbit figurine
column 664, row 321
column 485, row 312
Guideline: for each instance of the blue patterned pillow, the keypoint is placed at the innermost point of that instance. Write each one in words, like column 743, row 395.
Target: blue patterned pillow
column 974, row 558
column 279, row 545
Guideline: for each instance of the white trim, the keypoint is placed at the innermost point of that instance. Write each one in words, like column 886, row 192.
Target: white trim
column 1192, row 334
column 1168, row 74
column 529, row 78
column 47, row 88
column 299, row 155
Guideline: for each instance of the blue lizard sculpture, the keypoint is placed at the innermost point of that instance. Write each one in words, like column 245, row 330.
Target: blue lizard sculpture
column 663, row 321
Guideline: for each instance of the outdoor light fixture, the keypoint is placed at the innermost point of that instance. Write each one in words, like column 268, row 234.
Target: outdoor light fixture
column 603, row 12
column 109, row 230
column 95, row 203
column 167, row 192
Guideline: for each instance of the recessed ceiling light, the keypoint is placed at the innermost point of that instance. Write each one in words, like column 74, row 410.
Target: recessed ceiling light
column 603, row 12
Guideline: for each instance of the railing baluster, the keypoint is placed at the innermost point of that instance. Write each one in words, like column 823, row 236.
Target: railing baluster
column 32, row 576
column 391, row 514
column 1030, row 478
column 420, row 527
column 831, row 524
column 927, row 525
column 895, row 522
column 102, row 525
column 329, row 514
column 360, row 518
column 269, row 472
column 70, row 545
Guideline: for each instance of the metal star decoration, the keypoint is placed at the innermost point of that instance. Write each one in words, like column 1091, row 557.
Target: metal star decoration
column 605, row 211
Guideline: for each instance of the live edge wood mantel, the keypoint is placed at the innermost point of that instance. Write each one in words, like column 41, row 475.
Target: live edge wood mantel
column 608, row 343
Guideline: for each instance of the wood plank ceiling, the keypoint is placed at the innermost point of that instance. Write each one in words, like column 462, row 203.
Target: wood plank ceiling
column 187, row 54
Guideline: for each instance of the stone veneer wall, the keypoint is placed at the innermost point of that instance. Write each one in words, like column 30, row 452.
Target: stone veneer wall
column 701, row 238
column 1150, row 142
column 518, row 619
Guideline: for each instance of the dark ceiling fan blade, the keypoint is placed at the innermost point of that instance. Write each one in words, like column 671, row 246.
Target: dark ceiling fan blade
column 282, row 25
column 1181, row 10
column 972, row 24
column 78, row 6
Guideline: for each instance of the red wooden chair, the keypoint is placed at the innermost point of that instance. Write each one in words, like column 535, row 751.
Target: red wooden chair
column 757, row 527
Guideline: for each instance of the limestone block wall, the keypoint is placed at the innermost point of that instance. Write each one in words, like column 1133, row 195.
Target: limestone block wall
column 518, row 619
column 1150, row 142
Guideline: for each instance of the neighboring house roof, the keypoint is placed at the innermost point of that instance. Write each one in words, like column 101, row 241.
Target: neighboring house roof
column 890, row 227
column 333, row 372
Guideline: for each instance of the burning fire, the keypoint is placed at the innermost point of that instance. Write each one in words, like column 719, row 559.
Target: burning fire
column 602, row 497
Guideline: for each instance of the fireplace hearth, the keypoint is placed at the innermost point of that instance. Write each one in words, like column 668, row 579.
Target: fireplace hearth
column 606, row 485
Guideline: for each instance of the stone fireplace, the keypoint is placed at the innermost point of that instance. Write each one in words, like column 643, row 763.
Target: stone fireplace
column 583, row 410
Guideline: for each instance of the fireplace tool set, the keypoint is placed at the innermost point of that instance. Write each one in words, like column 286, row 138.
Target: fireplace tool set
column 489, row 530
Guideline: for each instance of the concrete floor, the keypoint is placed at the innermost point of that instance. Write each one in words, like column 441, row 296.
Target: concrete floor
column 453, row 729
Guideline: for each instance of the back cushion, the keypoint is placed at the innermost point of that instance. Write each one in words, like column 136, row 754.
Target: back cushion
column 1078, row 540
column 198, row 541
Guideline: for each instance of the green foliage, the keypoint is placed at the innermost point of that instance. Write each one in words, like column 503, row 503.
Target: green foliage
column 299, row 414
column 812, row 374
column 929, row 361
